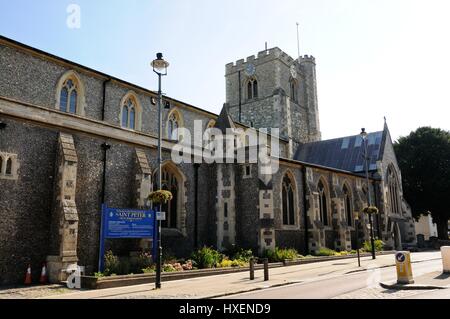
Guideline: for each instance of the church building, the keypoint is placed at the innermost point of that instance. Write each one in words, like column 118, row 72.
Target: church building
column 72, row 138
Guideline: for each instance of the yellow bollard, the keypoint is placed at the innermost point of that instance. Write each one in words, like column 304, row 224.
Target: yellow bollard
column 404, row 269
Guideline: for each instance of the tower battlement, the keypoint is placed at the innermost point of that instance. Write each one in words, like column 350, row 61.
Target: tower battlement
column 261, row 57
column 307, row 58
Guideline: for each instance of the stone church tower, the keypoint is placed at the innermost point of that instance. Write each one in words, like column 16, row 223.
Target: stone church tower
column 273, row 90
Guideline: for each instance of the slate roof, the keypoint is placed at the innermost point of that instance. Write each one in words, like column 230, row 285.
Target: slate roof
column 345, row 153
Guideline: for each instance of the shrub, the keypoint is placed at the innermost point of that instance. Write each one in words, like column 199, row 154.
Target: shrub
column 161, row 196
column 143, row 260
column 206, row 257
column 326, row 252
column 148, row 270
column 188, row 265
column 112, row 264
column 168, row 268
column 281, row 254
column 370, row 210
column 233, row 252
column 124, row 266
column 225, row 263
column 379, row 245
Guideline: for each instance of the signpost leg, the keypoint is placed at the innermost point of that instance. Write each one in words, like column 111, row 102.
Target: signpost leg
column 102, row 240
column 155, row 238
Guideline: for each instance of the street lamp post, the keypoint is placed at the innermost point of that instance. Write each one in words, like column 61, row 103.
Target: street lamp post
column 357, row 238
column 160, row 68
column 369, row 197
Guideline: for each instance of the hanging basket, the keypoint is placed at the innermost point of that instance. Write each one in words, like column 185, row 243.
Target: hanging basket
column 160, row 197
column 370, row 210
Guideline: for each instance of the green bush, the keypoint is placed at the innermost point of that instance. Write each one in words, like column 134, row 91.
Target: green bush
column 168, row 268
column 112, row 264
column 281, row 254
column 379, row 245
column 206, row 257
column 233, row 252
column 124, row 266
column 149, row 270
column 326, row 252
column 143, row 260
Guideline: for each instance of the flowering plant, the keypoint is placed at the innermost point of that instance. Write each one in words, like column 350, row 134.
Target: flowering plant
column 370, row 210
column 161, row 196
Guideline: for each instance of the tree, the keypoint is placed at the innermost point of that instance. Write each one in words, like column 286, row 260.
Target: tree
column 424, row 159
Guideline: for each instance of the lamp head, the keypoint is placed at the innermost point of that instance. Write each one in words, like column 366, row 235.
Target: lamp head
column 159, row 64
column 363, row 133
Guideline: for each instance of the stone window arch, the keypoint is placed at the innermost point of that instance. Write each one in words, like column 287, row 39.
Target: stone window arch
column 252, row 88
column 9, row 163
column 173, row 180
column 131, row 112
column 9, row 166
column 174, row 122
column 348, row 204
column 324, row 209
column 211, row 124
column 70, row 94
column 394, row 191
column 293, row 86
column 289, row 205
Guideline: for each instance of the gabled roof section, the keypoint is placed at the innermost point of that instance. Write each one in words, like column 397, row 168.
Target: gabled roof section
column 344, row 153
column 23, row 47
column 224, row 121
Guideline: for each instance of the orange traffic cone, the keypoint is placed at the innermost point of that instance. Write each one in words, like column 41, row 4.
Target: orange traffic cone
column 28, row 275
column 43, row 280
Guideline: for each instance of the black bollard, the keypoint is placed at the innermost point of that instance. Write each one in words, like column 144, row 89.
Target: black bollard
column 252, row 269
column 266, row 269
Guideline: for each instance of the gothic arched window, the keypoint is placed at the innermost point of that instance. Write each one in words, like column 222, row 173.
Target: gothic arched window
column 293, row 89
column 288, row 201
column 323, row 204
column 170, row 181
column 8, row 167
column 174, row 122
column 394, row 191
column 348, row 206
column 68, row 100
column 129, row 114
column 252, row 89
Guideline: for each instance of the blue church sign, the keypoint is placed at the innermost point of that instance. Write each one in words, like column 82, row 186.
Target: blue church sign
column 119, row 223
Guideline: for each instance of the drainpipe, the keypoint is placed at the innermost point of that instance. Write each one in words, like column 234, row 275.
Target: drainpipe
column 196, row 167
column 105, row 148
column 305, row 209
column 375, row 188
column 104, row 98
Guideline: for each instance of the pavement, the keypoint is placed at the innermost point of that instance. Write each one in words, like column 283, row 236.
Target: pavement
column 309, row 281
column 430, row 281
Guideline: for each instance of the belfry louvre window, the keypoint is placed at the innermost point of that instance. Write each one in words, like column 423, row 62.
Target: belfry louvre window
column 288, row 202
column 293, row 87
column 68, row 100
column 252, row 89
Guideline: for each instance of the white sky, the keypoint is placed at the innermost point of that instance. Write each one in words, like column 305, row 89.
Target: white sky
column 374, row 58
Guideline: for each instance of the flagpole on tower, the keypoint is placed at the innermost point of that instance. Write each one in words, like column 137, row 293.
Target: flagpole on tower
column 298, row 41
